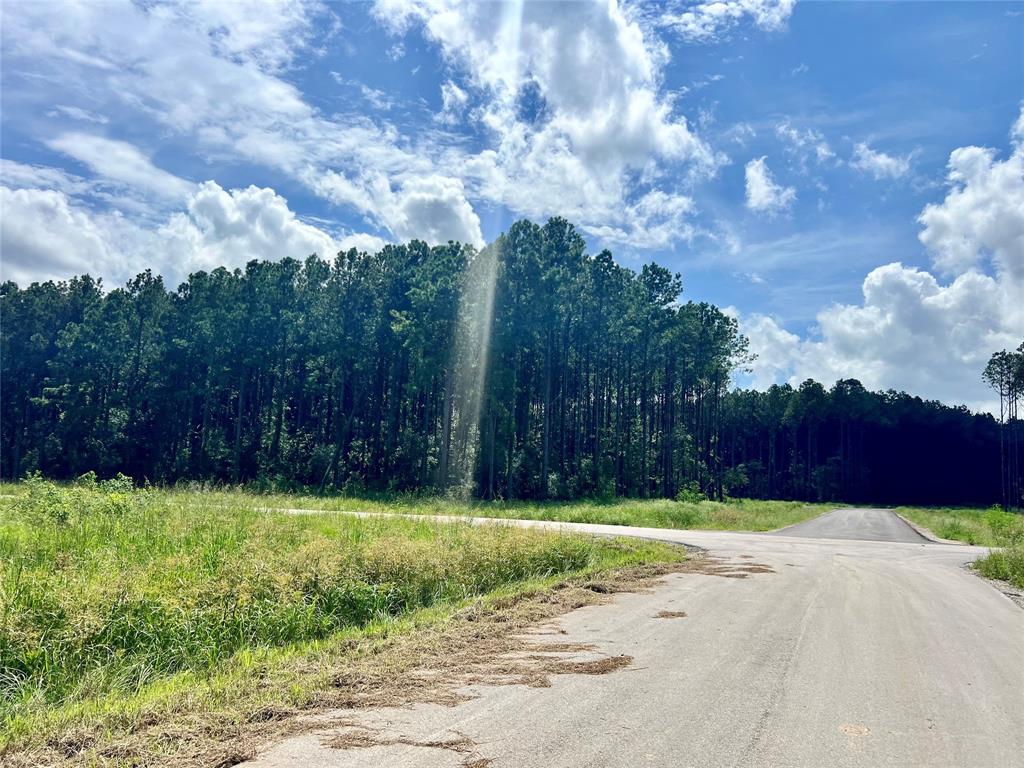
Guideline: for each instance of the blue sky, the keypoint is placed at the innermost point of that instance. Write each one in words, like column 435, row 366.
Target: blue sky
column 844, row 177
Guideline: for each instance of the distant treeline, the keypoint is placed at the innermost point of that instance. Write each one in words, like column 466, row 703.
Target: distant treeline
column 527, row 370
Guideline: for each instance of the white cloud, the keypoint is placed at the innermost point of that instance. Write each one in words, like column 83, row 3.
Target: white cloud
column 878, row 164
column 1017, row 131
column 224, row 227
column 808, row 144
column 741, row 133
column 983, row 212
column 269, row 33
column 710, row 20
column 655, row 221
column 375, row 97
column 210, row 78
column 43, row 237
column 435, row 210
column 77, row 113
column 911, row 331
column 120, row 162
column 453, row 103
column 362, row 242
column 570, row 100
column 15, row 174
column 763, row 194
column 44, row 234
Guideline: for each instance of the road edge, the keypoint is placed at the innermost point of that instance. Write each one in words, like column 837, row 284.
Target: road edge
column 922, row 531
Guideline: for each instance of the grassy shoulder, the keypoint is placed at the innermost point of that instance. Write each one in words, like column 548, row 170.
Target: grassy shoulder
column 121, row 609
column 982, row 527
column 732, row 515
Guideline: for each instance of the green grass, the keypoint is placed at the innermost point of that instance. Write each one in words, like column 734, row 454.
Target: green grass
column 984, row 527
column 112, row 599
column 1006, row 564
column 733, row 515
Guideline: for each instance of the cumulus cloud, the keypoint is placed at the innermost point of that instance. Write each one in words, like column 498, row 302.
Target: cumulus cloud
column 568, row 104
column 435, row 210
column 224, row 227
column 571, row 105
column 45, row 234
column 43, row 237
column 878, row 164
column 763, row 194
column 210, row 76
column 912, row 331
column 571, row 108
column 982, row 213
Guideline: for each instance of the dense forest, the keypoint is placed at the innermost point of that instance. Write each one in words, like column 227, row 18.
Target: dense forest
column 529, row 369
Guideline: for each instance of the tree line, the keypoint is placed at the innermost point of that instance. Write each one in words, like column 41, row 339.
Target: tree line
column 528, row 369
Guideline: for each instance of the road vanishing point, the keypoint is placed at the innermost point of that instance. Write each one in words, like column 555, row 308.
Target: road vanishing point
column 867, row 646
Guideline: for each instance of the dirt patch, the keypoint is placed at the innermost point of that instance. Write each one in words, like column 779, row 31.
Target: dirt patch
column 490, row 642
column 670, row 615
column 361, row 738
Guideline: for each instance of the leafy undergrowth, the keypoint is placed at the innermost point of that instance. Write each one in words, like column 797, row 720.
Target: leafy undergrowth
column 117, row 603
column 991, row 527
column 733, row 515
column 1006, row 564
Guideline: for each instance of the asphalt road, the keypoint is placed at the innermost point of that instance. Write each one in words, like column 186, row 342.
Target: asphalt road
column 854, row 653
column 857, row 524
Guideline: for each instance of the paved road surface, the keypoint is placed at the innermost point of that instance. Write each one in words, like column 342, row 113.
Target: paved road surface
column 852, row 654
column 859, row 524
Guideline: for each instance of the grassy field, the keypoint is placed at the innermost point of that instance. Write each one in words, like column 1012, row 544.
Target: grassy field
column 733, row 515
column 118, row 606
column 983, row 527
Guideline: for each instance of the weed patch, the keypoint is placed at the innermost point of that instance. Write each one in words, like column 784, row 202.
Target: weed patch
column 122, row 610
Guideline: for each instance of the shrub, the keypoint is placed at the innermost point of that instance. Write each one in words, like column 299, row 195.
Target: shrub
column 1007, row 527
column 690, row 493
column 48, row 503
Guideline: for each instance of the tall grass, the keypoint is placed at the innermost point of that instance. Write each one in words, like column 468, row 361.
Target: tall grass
column 105, row 590
column 983, row 527
column 735, row 514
